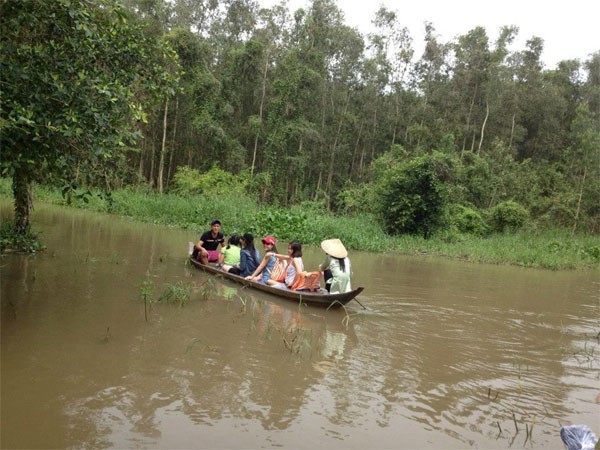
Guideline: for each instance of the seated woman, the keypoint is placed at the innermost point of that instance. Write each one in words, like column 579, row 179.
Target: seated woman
column 294, row 266
column 336, row 260
column 249, row 257
column 230, row 255
column 263, row 272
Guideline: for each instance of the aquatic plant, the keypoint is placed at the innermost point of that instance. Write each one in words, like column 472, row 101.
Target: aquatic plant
column 10, row 240
column 146, row 292
column 179, row 293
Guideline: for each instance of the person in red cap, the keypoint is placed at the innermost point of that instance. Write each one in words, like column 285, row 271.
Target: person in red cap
column 263, row 271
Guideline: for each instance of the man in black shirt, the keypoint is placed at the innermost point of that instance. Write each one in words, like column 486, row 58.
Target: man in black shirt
column 207, row 248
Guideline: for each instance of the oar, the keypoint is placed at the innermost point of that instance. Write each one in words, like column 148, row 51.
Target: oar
column 359, row 303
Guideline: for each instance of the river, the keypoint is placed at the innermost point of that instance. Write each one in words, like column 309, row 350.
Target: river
column 446, row 355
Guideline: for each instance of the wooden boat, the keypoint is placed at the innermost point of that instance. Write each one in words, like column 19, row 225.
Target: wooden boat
column 317, row 298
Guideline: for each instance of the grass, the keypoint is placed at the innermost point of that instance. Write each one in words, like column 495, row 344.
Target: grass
column 548, row 249
column 554, row 249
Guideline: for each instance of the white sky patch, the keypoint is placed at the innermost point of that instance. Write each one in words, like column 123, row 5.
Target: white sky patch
column 569, row 29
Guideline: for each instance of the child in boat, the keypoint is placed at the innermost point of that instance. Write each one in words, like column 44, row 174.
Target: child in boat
column 294, row 266
column 336, row 260
column 230, row 255
column 263, row 272
column 249, row 257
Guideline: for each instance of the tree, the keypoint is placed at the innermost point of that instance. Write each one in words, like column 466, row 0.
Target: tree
column 75, row 75
column 413, row 195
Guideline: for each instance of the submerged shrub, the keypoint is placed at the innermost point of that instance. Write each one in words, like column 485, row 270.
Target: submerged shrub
column 10, row 239
column 178, row 293
column 508, row 216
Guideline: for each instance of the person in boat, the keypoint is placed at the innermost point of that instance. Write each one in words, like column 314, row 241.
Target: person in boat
column 207, row 248
column 291, row 265
column 262, row 273
column 249, row 257
column 337, row 262
column 230, row 255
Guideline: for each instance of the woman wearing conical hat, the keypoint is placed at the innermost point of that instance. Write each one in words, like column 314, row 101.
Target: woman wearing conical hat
column 336, row 260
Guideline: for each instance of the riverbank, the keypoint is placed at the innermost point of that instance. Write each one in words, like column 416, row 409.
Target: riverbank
column 556, row 249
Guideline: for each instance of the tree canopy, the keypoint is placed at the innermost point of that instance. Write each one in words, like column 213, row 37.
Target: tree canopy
column 76, row 75
column 302, row 105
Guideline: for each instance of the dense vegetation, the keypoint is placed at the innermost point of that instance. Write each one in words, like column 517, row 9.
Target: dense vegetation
column 298, row 111
column 310, row 223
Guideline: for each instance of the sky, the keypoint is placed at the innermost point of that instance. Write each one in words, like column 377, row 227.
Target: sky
column 569, row 28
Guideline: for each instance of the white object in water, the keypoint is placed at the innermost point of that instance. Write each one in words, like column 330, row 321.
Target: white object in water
column 578, row 437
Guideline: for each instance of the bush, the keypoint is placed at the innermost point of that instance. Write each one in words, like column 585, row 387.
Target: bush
column 215, row 181
column 357, row 199
column 22, row 243
column 468, row 220
column 285, row 224
column 413, row 197
column 508, row 216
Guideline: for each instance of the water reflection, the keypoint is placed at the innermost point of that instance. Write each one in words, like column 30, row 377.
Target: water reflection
column 448, row 355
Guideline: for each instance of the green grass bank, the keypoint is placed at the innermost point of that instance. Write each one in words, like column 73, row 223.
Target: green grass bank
column 555, row 249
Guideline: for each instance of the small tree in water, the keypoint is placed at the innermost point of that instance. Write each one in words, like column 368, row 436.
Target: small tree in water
column 72, row 77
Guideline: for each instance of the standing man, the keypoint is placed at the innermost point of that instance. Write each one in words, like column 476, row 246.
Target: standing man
column 207, row 249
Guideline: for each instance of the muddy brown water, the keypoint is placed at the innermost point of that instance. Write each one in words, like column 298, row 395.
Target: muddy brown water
column 446, row 355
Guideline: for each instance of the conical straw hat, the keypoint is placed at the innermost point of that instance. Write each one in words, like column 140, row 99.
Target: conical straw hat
column 335, row 248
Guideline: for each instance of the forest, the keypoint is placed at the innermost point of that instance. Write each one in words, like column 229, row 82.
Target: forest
column 297, row 109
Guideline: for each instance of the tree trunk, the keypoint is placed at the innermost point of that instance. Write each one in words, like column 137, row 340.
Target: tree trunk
column 487, row 114
column 151, row 177
column 512, row 131
column 333, row 151
column 316, row 196
column 23, row 195
column 579, row 200
column 163, row 147
column 468, row 126
column 142, row 155
column 372, row 140
column 354, row 154
column 260, row 113
column 397, row 114
column 173, row 141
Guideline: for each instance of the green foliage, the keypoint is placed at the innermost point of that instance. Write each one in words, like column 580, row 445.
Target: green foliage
column 468, row 220
column 70, row 194
column 545, row 248
column 508, row 216
column 214, row 182
column 554, row 249
column 11, row 240
column 593, row 253
column 358, row 199
column 75, row 77
column 147, row 288
column 286, row 224
column 477, row 181
column 178, row 293
column 259, row 186
column 146, row 292
column 413, row 197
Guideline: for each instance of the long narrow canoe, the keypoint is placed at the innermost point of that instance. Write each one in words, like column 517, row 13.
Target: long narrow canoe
column 318, row 298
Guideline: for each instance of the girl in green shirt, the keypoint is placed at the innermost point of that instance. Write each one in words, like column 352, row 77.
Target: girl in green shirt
column 230, row 255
